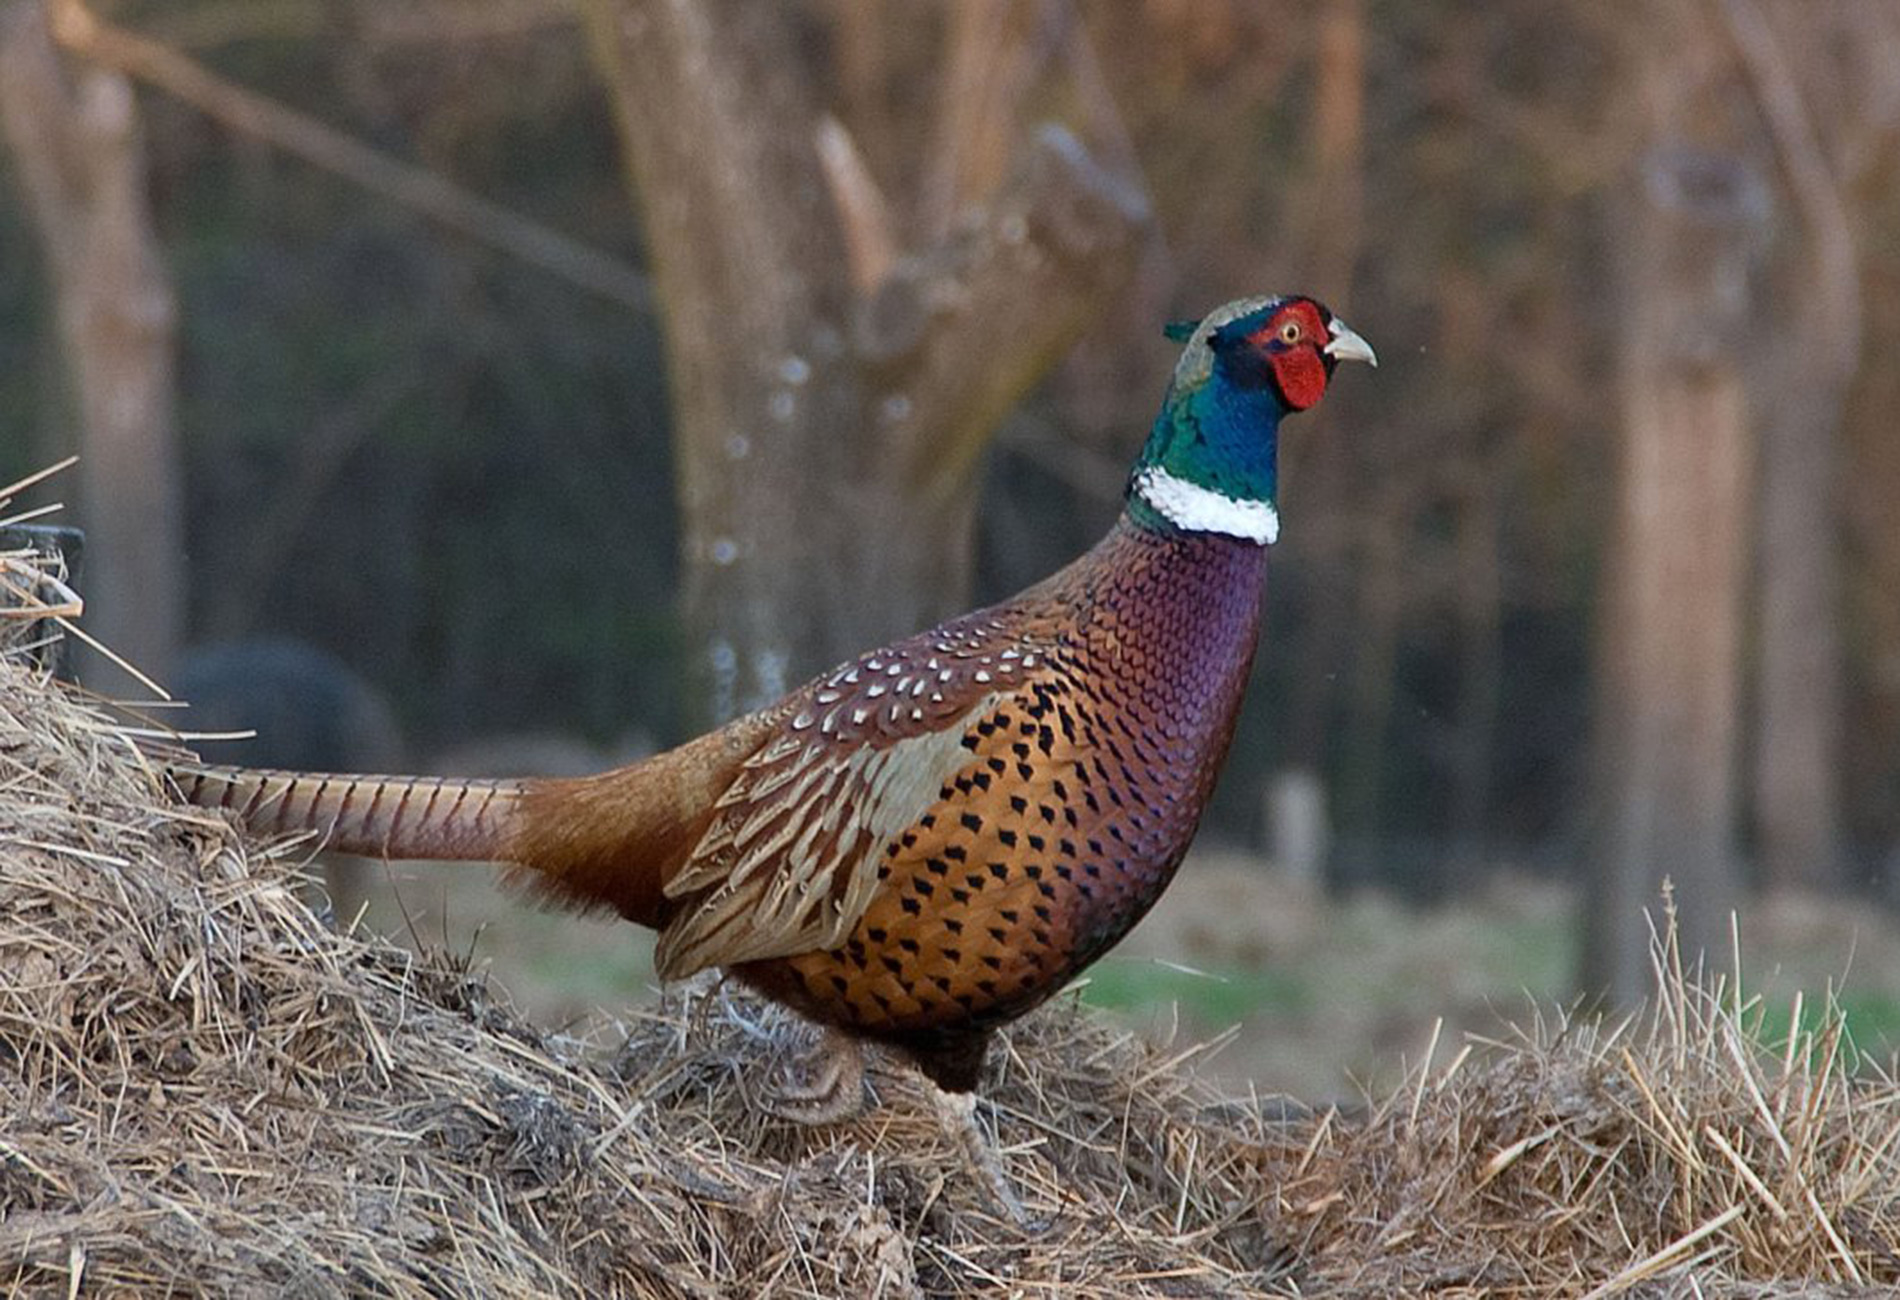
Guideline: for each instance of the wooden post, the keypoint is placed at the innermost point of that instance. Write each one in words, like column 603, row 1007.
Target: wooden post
column 65, row 549
column 1299, row 831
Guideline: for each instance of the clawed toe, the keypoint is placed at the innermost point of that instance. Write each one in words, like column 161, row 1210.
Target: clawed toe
column 956, row 1111
column 833, row 1091
column 826, row 1086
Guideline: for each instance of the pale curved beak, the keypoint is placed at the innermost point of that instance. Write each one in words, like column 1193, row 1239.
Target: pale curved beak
column 1347, row 346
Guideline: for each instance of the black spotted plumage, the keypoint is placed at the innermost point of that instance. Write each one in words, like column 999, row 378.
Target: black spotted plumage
column 1126, row 669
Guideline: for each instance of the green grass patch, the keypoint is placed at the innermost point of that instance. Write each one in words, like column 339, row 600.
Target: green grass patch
column 1216, row 996
column 1872, row 1018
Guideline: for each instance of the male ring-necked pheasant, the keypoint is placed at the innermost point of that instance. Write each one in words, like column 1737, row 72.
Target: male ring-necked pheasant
column 931, row 839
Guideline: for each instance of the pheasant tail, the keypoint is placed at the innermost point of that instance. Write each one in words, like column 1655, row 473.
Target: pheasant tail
column 611, row 841
column 376, row 816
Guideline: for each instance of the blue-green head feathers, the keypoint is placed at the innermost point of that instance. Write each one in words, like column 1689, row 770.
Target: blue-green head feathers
column 1211, row 460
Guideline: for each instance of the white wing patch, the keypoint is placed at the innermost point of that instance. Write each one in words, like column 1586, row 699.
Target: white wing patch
column 789, row 864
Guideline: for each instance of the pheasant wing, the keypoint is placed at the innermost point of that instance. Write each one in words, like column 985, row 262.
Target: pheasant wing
column 789, row 862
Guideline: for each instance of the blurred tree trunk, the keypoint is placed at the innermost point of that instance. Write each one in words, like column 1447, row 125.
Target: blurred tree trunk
column 1479, row 582
column 1372, row 683
column 1811, row 358
column 1322, row 471
column 1338, row 145
column 77, row 144
column 1669, row 679
column 832, row 392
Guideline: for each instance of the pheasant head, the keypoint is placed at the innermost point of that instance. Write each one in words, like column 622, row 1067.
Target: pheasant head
column 1211, row 461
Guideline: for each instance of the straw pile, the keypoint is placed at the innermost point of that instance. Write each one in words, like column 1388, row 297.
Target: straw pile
column 203, row 1090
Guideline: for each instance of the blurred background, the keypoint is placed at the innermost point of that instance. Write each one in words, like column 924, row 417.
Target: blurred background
column 518, row 385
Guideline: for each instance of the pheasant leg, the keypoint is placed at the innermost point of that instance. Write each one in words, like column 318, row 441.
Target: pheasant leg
column 956, row 1111
column 833, row 1090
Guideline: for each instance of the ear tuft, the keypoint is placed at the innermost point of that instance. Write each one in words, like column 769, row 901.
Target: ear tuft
column 1180, row 331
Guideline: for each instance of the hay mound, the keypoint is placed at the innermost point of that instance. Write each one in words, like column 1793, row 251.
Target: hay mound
column 204, row 1090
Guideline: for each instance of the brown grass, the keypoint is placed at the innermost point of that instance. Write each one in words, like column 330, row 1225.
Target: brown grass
column 203, row 1090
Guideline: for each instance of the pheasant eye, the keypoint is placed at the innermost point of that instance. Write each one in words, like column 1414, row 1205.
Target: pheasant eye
column 1290, row 332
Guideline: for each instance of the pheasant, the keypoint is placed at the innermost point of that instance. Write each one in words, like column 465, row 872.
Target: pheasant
column 934, row 837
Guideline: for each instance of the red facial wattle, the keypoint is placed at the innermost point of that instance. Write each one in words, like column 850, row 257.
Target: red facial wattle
column 1299, row 368
column 1301, row 374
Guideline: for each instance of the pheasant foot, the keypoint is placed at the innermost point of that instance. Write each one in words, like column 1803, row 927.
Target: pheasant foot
column 956, row 1111
column 831, row 1092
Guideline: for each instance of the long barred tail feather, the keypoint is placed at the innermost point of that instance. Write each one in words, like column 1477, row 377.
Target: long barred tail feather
column 376, row 816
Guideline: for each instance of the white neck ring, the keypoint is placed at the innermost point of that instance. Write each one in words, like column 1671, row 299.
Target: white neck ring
column 1196, row 509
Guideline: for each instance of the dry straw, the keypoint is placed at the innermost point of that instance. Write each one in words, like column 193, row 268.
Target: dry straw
column 204, row 1090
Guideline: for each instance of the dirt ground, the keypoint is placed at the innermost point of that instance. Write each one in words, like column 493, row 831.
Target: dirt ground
column 1322, row 999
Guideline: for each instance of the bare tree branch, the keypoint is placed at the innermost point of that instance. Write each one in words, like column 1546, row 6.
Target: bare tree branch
column 864, row 216
column 419, row 22
column 1811, row 180
column 1063, row 216
column 85, row 35
column 993, row 61
column 1052, row 243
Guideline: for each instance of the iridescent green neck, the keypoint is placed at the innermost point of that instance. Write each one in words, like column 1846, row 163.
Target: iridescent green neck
column 1211, row 460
